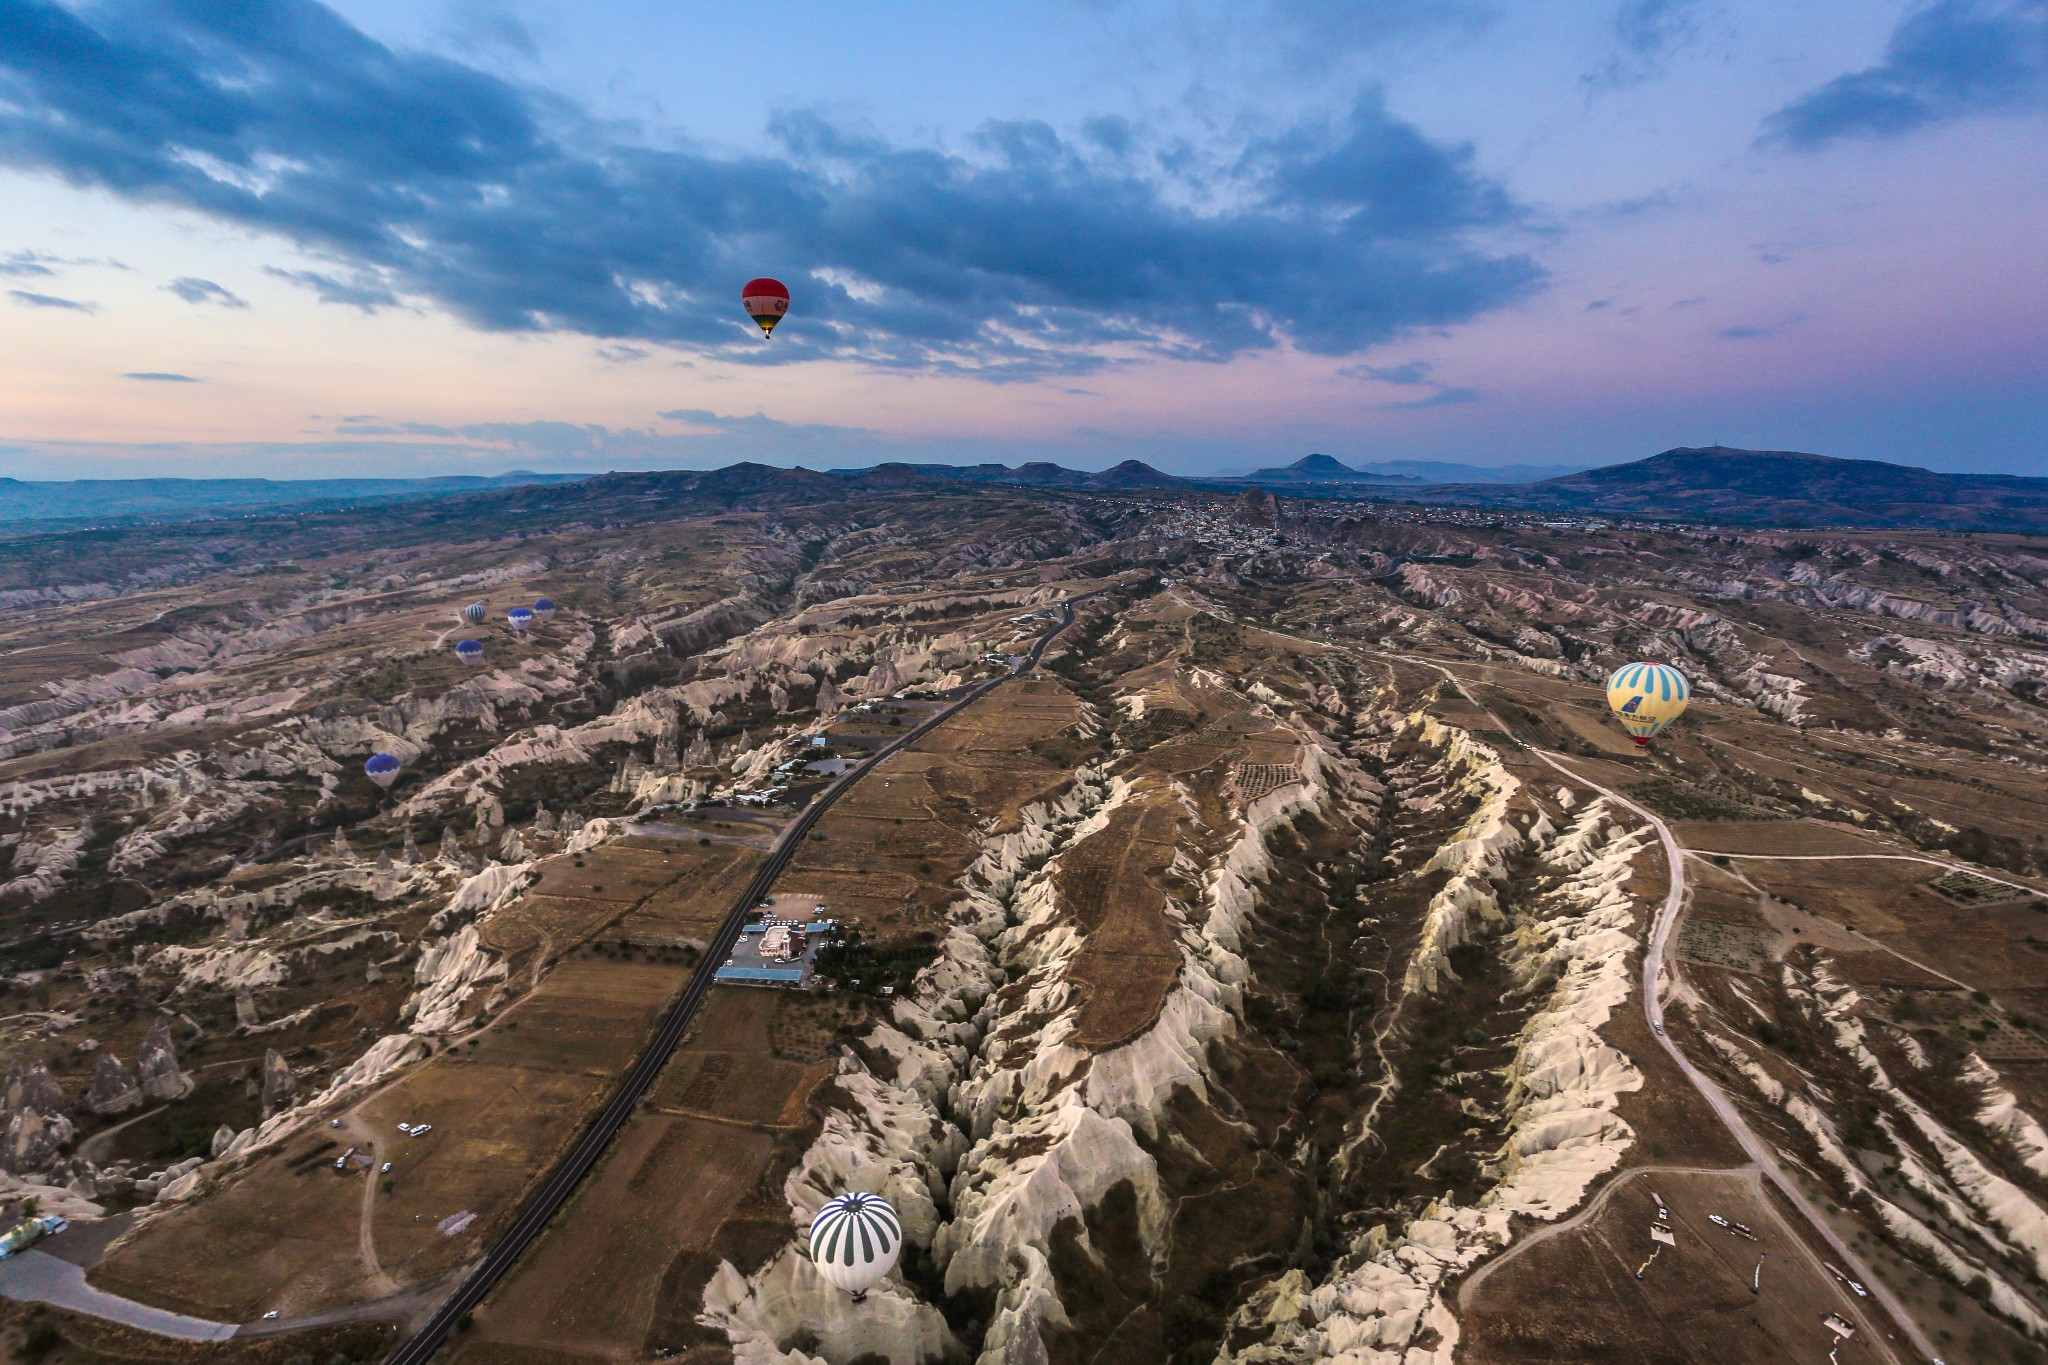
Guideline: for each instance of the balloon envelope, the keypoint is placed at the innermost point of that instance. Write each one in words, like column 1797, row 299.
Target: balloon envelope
column 766, row 301
column 520, row 618
column 1647, row 697
column 382, row 769
column 469, row 651
column 474, row 613
column 544, row 609
column 855, row 1240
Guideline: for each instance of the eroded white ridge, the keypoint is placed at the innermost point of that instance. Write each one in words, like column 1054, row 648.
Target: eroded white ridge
column 1384, row 1303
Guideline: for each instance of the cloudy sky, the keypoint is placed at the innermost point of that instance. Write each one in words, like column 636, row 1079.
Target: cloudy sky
column 439, row 236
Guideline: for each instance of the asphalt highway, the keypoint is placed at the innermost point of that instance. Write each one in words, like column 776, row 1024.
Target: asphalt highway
column 582, row 1159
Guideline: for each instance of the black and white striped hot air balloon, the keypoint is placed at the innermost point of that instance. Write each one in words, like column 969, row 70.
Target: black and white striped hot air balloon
column 474, row 613
column 855, row 1240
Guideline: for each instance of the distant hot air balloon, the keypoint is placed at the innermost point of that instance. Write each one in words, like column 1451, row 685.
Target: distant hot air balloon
column 474, row 613
column 1646, row 698
column 766, row 301
column 544, row 609
column 469, row 651
column 382, row 769
column 520, row 618
column 855, row 1240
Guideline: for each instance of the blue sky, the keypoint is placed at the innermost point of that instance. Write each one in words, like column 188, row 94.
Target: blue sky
column 268, row 237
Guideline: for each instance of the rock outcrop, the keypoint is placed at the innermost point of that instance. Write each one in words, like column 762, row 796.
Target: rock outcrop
column 157, row 1065
column 32, row 1087
column 113, row 1091
column 280, row 1087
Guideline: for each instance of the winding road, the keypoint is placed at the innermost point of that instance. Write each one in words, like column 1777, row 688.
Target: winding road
column 1760, row 1152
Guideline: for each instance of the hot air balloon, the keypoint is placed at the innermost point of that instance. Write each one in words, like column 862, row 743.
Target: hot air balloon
column 469, row 651
column 766, row 301
column 855, row 1240
column 382, row 769
column 474, row 613
column 520, row 618
column 1647, row 697
column 544, row 609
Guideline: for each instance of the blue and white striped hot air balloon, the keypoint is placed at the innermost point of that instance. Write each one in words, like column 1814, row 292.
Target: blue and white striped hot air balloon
column 474, row 613
column 855, row 1240
column 382, row 769
column 469, row 651
column 1646, row 698
column 544, row 609
column 521, row 618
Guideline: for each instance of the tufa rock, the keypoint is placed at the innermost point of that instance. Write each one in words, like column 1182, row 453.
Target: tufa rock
column 280, row 1087
column 113, row 1090
column 32, row 1141
column 33, row 1088
column 157, row 1064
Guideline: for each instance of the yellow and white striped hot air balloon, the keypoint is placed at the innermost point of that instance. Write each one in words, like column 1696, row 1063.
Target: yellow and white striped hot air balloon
column 1646, row 698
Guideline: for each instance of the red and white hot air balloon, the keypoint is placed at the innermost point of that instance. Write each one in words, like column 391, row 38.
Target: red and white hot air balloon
column 766, row 301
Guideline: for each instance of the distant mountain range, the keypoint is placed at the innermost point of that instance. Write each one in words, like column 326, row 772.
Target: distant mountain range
column 1323, row 469
column 99, row 500
column 1714, row 484
column 1036, row 474
column 1707, row 484
column 1781, row 488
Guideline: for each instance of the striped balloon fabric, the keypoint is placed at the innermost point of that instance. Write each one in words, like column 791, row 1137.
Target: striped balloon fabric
column 1646, row 698
column 855, row 1240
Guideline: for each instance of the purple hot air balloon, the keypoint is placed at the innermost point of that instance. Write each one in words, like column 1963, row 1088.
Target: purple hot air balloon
column 469, row 651
column 382, row 769
column 521, row 618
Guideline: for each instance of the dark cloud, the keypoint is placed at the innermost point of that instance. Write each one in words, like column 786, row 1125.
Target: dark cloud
column 1413, row 372
column 432, row 180
column 363, row 291
column 1751, row 331
column 33, row 300
column 622, row 354
column 160, row 376
column 20, row 264
column 194, row 290
column 351, row 428
column 1948, row 60
column 1442, row 398
column 1646, row 32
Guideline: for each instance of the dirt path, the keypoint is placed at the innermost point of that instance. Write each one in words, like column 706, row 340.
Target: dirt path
column 94, row 1148
column 1863, row 940
column 1749, row 1174
column 1867, row 857
column 358, row 1131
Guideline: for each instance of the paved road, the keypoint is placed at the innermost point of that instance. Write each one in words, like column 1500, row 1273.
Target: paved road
column 1762, row 1153
column 38, row 1277
column 554, row 1194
